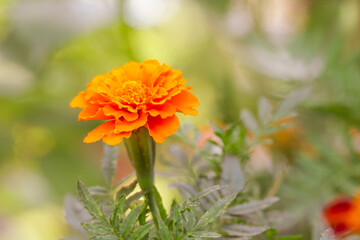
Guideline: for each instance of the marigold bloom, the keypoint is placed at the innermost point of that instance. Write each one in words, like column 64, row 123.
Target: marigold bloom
column 135, row 95
column 343, row 216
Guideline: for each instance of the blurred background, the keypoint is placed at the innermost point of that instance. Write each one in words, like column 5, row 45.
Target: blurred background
column 231, row 51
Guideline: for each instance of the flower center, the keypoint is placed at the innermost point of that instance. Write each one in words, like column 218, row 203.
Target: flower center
column 134, row 92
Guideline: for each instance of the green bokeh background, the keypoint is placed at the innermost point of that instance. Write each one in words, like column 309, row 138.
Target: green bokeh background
column 230, row 51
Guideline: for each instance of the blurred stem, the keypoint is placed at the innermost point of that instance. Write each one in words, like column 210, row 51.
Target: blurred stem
column 141, row 150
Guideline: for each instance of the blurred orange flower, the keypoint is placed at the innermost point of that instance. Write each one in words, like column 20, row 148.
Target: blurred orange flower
column 135, row 95
column 343, row 215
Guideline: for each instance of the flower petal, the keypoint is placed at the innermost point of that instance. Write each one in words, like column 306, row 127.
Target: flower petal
column 104, row 129
column 127, row 126
column 92, row 112
column 160, row 128
column 115, row 138
column 165, row 110
column 79, row 101
column 118, row 113
column 185, row 102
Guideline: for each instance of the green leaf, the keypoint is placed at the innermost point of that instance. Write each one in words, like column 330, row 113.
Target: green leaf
column 134, row 197
column 108, row 163
column 90, row 203
column 126, row 190
column 159, row 203
column 240, row 230
column 231, row 175
column 164, row 231
column 203, row 234
column 190, row 221
column 253, row 206
column 207, row 191
column 290, row 237
column 249, row 120
column 215, row 211
column 97, row 229
column 142, row 216
column 129, row 222
column 271, row 233
column 105, row 237
column 177, row 220
column 123, row 180
column 140, row 232
column 119, row 208
column 292, row 100
column 264, row 110
column 272, row 130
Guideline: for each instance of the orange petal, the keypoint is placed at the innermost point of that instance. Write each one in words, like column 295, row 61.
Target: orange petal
column 92, row 112
column 104, row 129
column 79, row 101
column 115, row 138
column 185, row 102
column 118, row 113
column 160, row 128
column 165, row 110
column 128, row 126
column 133, row 70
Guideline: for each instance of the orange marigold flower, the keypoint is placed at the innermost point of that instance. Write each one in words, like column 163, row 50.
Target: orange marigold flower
column 135, row 95
column 343, row 216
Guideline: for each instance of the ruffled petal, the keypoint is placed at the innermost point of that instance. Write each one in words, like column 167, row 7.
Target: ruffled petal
column 160, row 128
column 126, row 126
column 165, row 110
column 104, row 129
column 115, row 138
column 185, row 102
column 118, row 113
column 79, row 101
column 92, row 112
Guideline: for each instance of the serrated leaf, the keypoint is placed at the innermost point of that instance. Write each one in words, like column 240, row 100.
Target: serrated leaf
column 292, row 100
column 140, row 232
column 98, row 190
column 242, row 230
column 253, row 206
column 207, row 191
column 108, row 163
column 75, row 213
column 203, row 234
column 328, row 235
column 232, row 175
column 129, row 222
column 126, row 190
column 190, row 221
column 249, row 120
column 164, row 231
column 107, row 237
column 116, row 185
column 215, row 211
column 133, row 198
column 264, row 110
column 90, row 203
column 119, row 209
column 272, row 130
column 177, row 220
column 159, row 203
column 97, row 229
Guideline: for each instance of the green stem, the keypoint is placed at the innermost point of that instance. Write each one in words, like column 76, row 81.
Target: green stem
column 141, row 150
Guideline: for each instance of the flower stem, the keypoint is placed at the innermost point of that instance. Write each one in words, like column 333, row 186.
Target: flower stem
column 141, row 150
